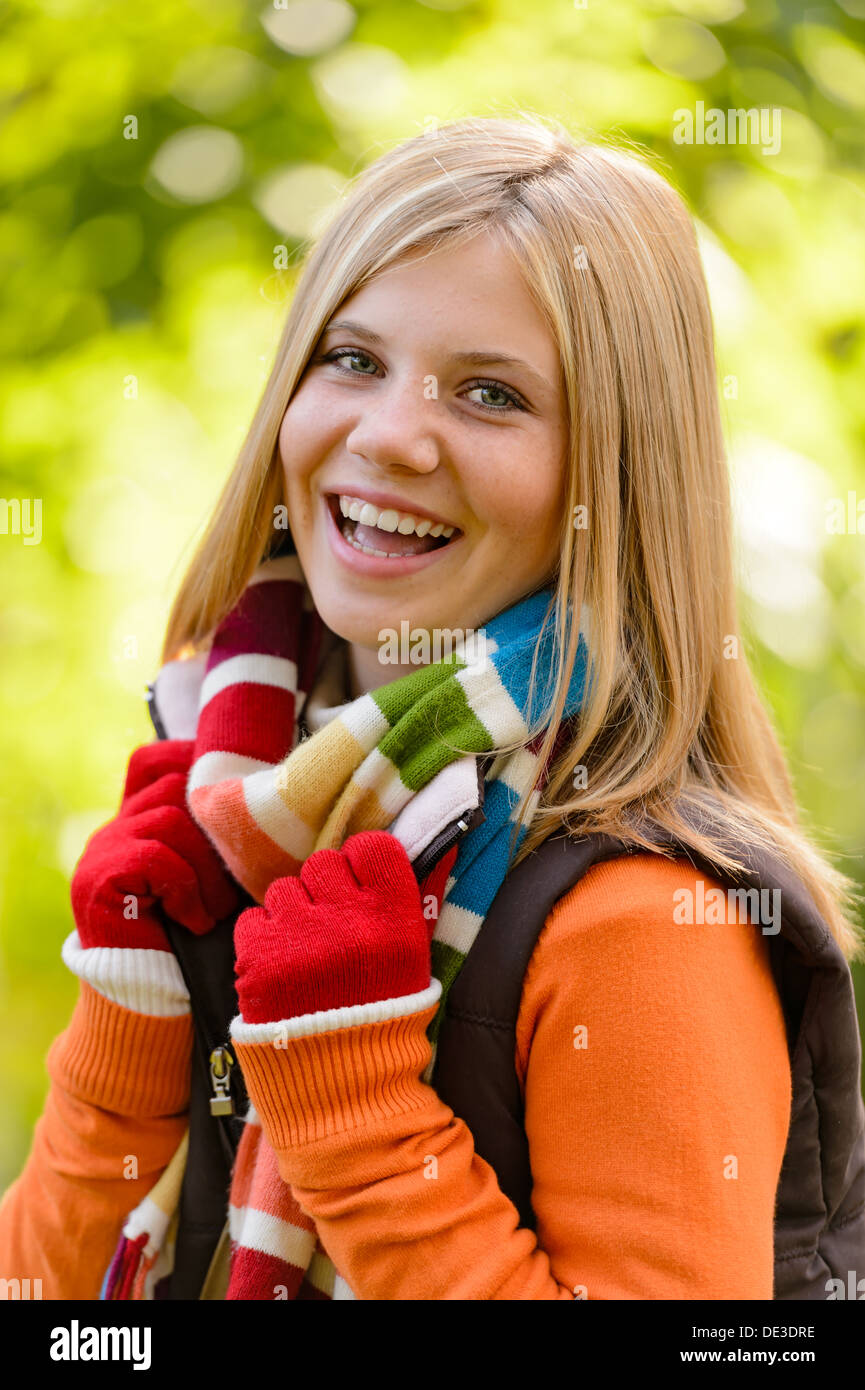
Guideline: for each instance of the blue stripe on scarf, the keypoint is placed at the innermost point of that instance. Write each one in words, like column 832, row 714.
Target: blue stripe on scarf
column 485, row 853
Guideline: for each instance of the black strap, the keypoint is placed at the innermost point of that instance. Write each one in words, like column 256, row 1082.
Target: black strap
column 207, row 965
column 474, row 1070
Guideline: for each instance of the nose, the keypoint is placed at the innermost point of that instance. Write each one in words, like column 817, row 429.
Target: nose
column 397, row 430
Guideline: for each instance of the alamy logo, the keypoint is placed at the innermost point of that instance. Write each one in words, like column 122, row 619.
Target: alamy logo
column 754, row 126
column 21, row 1289
column 418, row 646
column 714, row 907
column 855, row 1288
column 21, row 516
column 102, row 1344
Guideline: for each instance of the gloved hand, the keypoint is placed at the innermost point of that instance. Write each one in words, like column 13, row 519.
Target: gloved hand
column 151, row 856
column 349, row 929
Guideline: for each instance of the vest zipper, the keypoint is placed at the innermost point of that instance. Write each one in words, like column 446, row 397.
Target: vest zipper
column 221, row 1101
column 444, row 842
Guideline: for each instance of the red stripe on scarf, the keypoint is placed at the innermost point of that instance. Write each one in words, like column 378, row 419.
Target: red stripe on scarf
column 268, row 618
column 262, row 729
column 260, row 1277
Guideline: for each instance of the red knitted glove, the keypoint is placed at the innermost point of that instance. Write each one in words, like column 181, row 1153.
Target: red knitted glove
column 152, row 854
column 349, row 929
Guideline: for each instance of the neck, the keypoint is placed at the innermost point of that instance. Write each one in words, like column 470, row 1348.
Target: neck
column 366, row 672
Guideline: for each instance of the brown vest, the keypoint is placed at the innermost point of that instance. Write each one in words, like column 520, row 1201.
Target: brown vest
column 820, row 1199
column 820, row 1202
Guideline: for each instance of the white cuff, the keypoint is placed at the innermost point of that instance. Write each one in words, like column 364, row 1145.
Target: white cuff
column 327, row 1020
column 143, row 980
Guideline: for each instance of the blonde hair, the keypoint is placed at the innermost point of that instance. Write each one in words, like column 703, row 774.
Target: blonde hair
column 671, row 723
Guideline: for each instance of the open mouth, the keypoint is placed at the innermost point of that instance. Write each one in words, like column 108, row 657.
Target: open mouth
column 386, row 532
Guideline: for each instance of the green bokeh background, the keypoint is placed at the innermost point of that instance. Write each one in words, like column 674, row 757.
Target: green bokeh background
column 142, row 309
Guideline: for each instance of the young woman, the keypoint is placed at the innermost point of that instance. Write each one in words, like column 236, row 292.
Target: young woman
column 492, row 420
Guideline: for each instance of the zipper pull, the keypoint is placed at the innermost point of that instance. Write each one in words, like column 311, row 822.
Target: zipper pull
column 221, row 1062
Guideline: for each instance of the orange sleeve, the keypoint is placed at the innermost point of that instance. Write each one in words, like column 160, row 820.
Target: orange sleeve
column 685, row 1078
column 114, row 1114
column 656, row 1135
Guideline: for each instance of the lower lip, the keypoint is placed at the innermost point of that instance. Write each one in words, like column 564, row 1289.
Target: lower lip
column 373, row 565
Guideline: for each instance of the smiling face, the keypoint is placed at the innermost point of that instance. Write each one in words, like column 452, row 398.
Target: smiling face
column 412, row 414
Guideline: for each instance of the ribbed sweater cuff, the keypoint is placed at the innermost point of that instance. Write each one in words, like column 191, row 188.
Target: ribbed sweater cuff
column 123, row 1062
column 312, row 1087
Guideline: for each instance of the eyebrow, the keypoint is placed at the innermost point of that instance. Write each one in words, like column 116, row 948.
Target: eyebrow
column 479, row 357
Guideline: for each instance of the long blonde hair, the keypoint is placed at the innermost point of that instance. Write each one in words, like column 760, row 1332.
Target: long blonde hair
column 608, row 249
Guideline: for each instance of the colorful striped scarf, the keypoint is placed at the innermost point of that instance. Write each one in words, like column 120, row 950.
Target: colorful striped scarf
column 402, row 758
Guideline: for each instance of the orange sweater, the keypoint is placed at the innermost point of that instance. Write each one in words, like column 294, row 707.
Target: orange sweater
column 654, row 1067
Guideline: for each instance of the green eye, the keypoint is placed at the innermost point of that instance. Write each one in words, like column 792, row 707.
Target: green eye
column 339, row 353
column 510, row 399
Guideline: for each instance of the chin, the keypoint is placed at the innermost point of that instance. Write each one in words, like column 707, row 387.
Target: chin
column 340, row 614
column 360, row 622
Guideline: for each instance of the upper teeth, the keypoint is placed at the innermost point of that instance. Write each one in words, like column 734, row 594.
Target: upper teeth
column 390, row 520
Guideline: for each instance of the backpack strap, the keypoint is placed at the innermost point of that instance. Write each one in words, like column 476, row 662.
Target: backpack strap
column 207, row 965
column 481, row 1013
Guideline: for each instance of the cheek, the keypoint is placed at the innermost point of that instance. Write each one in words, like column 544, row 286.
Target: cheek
column 295, row 439
column 525, row 508
column 306, row 430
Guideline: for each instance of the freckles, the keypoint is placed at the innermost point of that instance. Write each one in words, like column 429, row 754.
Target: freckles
column 526, row 513
column 310, row 427
column 300, row 414
column 298, row 442
column 287, row 438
